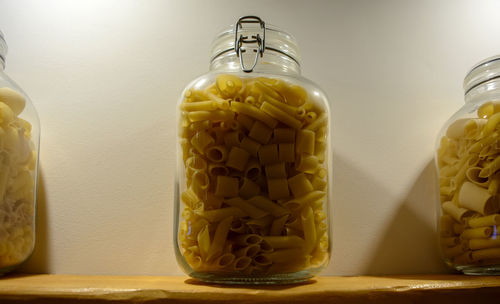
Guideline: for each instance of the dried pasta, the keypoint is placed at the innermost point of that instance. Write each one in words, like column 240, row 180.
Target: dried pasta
column 468, row 159
column 255, row 185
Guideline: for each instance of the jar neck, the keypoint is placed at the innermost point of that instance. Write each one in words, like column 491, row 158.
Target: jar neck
column 487, row 91
column 271, row 62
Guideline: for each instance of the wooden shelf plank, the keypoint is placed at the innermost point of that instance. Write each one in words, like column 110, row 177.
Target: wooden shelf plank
column 47, row 288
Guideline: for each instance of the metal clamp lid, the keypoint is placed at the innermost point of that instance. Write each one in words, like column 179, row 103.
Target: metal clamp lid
column 241, row 41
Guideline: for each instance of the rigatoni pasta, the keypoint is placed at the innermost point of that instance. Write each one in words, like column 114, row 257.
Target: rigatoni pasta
column 254, row 190
column 469, row 179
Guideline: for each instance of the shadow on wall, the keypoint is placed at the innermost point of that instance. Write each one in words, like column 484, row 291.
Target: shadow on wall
column 410, row 241
column 39, row 260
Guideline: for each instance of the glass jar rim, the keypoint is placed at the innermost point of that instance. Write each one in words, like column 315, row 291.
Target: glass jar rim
column 3, row 49
column 482, row 72
column 276, row 40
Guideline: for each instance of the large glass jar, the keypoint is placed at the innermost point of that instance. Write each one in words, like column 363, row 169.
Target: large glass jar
column 19, row 146
column 253, row 181
column 468, row 162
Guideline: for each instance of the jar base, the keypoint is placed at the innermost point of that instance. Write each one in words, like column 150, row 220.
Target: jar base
column 276, row 279
column 480, row 270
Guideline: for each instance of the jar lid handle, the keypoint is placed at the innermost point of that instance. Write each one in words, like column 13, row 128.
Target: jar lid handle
column 240, row 41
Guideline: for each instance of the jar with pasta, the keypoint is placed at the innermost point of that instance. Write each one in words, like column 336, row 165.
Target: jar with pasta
column 468, row 162
column 19, row 142
column 253, row 181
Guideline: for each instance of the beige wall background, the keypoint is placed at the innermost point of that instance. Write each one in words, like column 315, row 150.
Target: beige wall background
column 105, row 77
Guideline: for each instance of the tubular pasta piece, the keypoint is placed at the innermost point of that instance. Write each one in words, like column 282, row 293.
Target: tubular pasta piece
column 463, row 259
column 491, row 125
column 238, row 226
column 217, row 169
column 490, row 168
column 318, row 183
column 233, row 138
column 483, row 254
column 250, row 145
column 277, row 170
column 318, row 122
column 252, row 170
column 262, row 260
column 260, row 132
column 189, row 198
column 305, row 142
column 218, row 133
column 204, row 242
column 200, row 182
column 201, row 140
column 277, row 188
column 309, row 228
column 300, row 185
column 208, row 105
column 473, row 127
column 256, row 113
column 306, row 163
column 310, row 117
column 454, row 251
column 278, row 104
column 249, row 250
column 472, row 175
column 320, row 148
column 280, row 115
column 484, row 221
column 241, row 263
column 477, row 233
column 226, row 186
column 286, row 255
column 457, row 128
column 220, row 238
column 286, row 152
column 249, row 209
column 278, row 242
column 278, row 225
column 237, row 159
column 248, row 189
column 268, row 154
column 217, row 115
column 266, row 204
column 456, row 212
column 228, row 84
column 213, row 202
column 223, row 261
column 216, row 154
column 245, row 121
column 217, row 215
column 475, row 244
column 284, row 135
column 494, row 184
column 487, row 109
column 478, row 199
column 449, row 241
column 247, row 239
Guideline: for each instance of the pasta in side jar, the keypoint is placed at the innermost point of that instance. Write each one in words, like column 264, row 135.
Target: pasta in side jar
column 468, row 162
column 19, row 136
column 253, row 180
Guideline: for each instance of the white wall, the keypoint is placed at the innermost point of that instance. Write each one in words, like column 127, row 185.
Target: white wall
column 105, row 76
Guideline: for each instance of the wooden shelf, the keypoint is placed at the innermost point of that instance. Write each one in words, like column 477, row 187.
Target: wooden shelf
column 46, row 288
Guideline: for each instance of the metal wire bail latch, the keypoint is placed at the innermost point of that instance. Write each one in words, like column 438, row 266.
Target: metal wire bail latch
column 240, row 41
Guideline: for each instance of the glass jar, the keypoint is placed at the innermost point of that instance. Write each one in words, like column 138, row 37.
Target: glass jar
column 468, row 162
column 254, row 168
column 19, row 147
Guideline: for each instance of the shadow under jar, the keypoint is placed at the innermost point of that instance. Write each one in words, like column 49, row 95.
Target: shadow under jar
column 253, row 178
column 468, row 161
column 19, row 147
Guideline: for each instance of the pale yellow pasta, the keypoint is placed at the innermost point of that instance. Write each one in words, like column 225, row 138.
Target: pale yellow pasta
column 241, row 263
column 266, row 204
column 254, row 112
column 247, row 239
column 200, row 182
column 253, row 170
column 450, row 252
column 268, row 154
column 490, row 253
column 306, row 163
column 277, row 188
column 318, row 122
column 484, row 221
column 286, row 255
column 309, row 228
column 463, row 259
column 472, row 175
column 300, row 185
column 278, row 225
column 245, row 121
column 220, row 238
column 456, row 212
column 217, row 169
column 457, row 129
column 262, row 260
column 226, row 186
column 212, row 201
column 233, row 138
column 278, row 242
column 449, row 241
column 260, row 132
column 277, row 170
column 284, row 135
column 216, row 154
column 237, row 158
column 249, row 209
column 280, row 115
column 217, row 115
column 477, row 233
column 217, row 215
column 250, row 145
column 491, row 124
column 248, row 189
column 249, row 251
column 188, row 197
column 475, row 244
column 487, row 109
column 319, row 151
column 494, row 184
column 290, row 110
column 208, row 105
column 286, row 152
column 201, row 140
column 204, row 242
column 305, row 142
column 478, row 199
